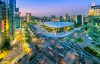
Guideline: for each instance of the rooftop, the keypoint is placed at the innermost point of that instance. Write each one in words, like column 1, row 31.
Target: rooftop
column 97, row 6
column 63, row 34
column 58, row 24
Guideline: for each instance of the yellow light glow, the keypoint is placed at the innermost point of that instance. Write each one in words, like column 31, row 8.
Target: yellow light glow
column 3, row 54
column 26, row 48
column 91, row 12
column 7, row 25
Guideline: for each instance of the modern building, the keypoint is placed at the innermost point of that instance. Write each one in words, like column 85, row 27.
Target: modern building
column 28, row 17
column 10, row 18
column 2, row 16
column 94, row 10
column 7, row 20
column 55, row 29
column 44, row 18
column 54, row 18
column 80, row 20
column 94, row 22
column 4, row 20
column 10, row 6
column 5, row 23
column 66, row 18
column 17, row 19
column 12, row 9
column 73, row 18
column 58, row 27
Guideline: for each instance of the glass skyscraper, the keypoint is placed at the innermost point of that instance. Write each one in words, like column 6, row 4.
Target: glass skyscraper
column 9, row 11
column 12, row 7
column 94, row 23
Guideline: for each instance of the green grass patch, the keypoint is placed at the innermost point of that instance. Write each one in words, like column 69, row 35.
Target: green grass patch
column 92, row 51
column 81, row 40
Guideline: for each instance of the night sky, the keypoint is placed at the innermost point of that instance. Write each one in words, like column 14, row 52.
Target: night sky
column 54, row 7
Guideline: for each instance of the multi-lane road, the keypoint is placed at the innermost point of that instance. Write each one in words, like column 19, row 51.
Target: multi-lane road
column 77, row 48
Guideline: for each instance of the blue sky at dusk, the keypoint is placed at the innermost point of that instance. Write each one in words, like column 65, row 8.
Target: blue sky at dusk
column 54, row 7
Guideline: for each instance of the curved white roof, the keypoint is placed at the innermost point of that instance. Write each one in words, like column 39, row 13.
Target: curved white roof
column 58, row 24
column 62, row 34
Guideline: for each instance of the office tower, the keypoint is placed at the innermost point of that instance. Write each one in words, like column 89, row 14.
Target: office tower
column 94, row 23
column 80, row 20
column 54, row 18
column 9, row 7
column 45, row 19
column 61, row 18
column 17, row 19
column 2, row 16
column 94, row 10
column 3, row 11
column 66, row 17
column 12, row 8
column 28, row 17
column 4, row 24
column 73, row 18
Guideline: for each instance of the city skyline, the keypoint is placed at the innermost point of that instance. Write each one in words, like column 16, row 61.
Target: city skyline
column 49, row 32
column 54, row 7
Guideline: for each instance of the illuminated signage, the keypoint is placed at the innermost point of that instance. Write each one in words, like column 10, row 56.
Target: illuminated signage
column 2, row 26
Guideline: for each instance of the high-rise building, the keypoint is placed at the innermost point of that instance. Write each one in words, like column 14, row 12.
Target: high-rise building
column 28, row 17
column 80, row 20
column 12, row 8
column 17, row 19
column 94, row 10
column 4, row 23
column 55, row 18
column 61, row 18
column 94, row 23
column 66, row 18
column 9, row 8
column 2, row 16
column 73, row 18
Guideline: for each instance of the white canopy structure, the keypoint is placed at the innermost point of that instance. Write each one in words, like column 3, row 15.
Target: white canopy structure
column 58, row 24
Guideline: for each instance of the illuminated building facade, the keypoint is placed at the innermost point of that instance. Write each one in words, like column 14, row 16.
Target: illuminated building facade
column 2, row 16
column 94, row 10
column 28, row 17
column 2, row 20
column 58, row 27
column 54, row 18
column 4, row 24
column 66, row 18
column 94, row 23
column 7, row 18
column 79, row 20
column 55, row 29
column 12, row 8
column 73, row 18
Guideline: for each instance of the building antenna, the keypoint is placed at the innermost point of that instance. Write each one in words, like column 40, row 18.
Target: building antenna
column 93, row 3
